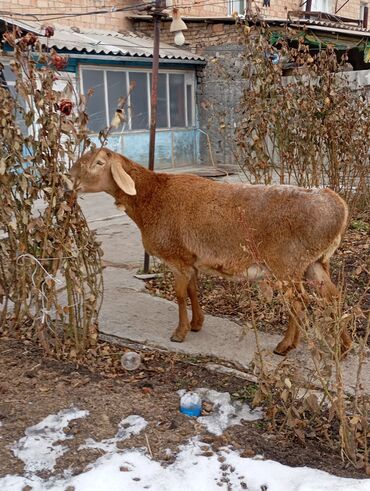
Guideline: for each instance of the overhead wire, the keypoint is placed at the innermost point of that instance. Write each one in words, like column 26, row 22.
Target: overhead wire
column 60, row 15
column 112, row 9
column 105, row 10
column 73, row 6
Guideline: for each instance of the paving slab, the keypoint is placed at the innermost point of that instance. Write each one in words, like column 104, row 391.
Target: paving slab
column 143, row 318
column 129, row 313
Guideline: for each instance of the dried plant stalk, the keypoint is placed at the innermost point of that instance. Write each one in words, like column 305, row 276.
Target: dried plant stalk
column 50, row 263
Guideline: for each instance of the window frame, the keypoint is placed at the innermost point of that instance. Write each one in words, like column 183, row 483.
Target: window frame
column 189, row 79
column 6, row 62
column 28, row 130
column 324, row 6
column 231, row 10
column 363, row 5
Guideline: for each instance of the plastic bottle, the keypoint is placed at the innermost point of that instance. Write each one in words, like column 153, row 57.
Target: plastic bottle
column 191, row 404
column 131, row 360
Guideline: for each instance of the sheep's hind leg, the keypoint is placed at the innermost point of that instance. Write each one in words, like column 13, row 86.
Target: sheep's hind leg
column 181, row 285
column 318, row 273
column 197, row 314
column 291, row 338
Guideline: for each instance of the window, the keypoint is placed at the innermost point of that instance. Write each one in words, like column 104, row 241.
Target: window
column 321, row 6
column 117, row 83
column 177, row 99
column 96, row 106
column 238, row 6
column 162, row 103
column 175, row 107
column 139, row 107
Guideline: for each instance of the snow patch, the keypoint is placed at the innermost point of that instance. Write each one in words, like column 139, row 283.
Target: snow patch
column 132, row 425
column 133, row 470
column 38, row 449
column 225, row 412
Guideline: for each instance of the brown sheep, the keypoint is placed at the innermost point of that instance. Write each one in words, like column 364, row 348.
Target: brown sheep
column 235, row 230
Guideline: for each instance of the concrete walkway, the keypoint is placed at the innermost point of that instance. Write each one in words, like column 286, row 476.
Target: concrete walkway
column 131, row 314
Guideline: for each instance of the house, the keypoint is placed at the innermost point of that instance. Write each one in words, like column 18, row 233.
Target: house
column 110, row 48
column 216, row 38
column 109, row 62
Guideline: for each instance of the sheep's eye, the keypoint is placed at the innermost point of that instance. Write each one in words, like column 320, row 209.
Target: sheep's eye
column 99, row 162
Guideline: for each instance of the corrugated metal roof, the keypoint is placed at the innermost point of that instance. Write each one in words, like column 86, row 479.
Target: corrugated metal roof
column 332, row 28
column 102, row 42
column 323, row 25
column 329, row 24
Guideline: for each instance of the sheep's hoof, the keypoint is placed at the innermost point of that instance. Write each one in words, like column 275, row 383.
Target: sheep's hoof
column 344, row 350
column 346, row 344
column 177, row 338
column 196, row 325
column 282, row 350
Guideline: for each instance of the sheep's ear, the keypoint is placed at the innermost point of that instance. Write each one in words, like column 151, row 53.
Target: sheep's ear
column 122, row 179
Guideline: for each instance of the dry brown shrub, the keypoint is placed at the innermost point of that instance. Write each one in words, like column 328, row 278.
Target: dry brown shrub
column 50, row 263
column 308, row 124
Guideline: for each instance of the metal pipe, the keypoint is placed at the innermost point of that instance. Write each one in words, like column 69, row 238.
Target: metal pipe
column 154, row 93
column 365, row 19
column 308, row 8
column 340, row 8
column 154, row 98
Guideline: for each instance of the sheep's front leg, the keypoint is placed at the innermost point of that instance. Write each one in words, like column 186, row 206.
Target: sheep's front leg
column 181, row 285
column 198, row 316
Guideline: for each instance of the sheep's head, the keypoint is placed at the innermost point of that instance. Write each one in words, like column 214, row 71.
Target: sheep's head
column 102, row 170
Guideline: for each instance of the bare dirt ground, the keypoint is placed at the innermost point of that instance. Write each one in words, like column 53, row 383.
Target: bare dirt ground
column 33, row 386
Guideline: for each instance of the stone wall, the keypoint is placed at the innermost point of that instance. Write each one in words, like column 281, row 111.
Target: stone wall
column 198, row 36
column 221, row 85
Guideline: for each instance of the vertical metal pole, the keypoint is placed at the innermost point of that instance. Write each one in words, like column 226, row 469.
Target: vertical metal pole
column 154, row 99
column 365, row 19
column 308, row 8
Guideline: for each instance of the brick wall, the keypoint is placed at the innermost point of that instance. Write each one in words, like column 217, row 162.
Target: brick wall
column 118, row 20
column 110, row 21
column 278, row 8
column 200, row 8
column 350, row 10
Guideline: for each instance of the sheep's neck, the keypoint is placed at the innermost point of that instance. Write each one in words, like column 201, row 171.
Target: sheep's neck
column 138, row 207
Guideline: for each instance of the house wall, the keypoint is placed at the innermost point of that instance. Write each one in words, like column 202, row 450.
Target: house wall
column 200, row 8
column 278, row 8
column 176, row 147
column 217, row 100
column 110, row 21
column 217, row 96
column 198, row 36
